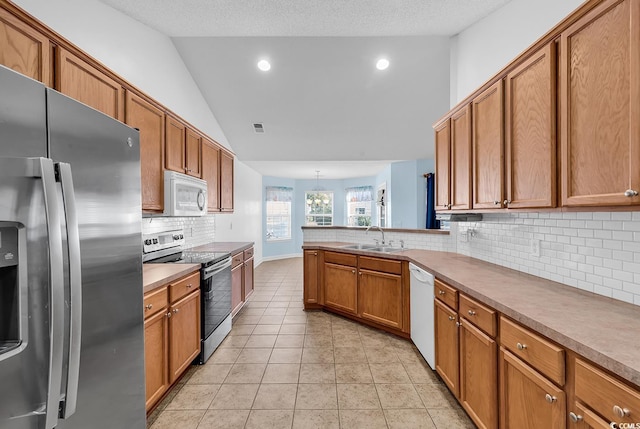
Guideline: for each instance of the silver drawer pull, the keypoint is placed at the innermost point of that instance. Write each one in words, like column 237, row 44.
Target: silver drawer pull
column 189, row 286
column 441, row 292
column 471, row 313
column 550, row 399
column 452, row 318
column 521, row 346
column 630, row 193
column 575, row 418
column 620, row 411
column 176, row 310
column 148, row 306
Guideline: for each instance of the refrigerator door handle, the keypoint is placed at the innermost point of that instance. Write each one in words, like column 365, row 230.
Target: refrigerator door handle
column 43, row 168
column 68, row 407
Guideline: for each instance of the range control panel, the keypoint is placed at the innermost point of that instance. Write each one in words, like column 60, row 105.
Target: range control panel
column 162, row 240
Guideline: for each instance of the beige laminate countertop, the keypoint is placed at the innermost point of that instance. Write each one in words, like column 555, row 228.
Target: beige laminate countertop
column 602, row 329
column 156, row 275
column 224, row 246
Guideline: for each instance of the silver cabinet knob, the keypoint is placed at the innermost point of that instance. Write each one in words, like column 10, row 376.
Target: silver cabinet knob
column 575, row 418
column 458, row 324
column 449, row 205
column 168, row 314
column 189, row 286
column 506, row 202
column 521, row 346
column 353, row 271
column 630, row 193
column 315, row 253
column 176, row 310
column 148, row 306
column 441, row 292
column 471, row 313
column 621, row 411
column 452, row 318
column 496, row 203
column 550, row 399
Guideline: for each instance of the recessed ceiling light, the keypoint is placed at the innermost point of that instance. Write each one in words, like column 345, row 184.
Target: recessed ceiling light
column 382, row 64
column 264, row 65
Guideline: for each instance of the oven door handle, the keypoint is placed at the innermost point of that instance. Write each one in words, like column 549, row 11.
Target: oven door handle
column 215, row 269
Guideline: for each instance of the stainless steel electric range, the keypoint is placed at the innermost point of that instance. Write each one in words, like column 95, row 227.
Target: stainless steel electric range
column 215, row 283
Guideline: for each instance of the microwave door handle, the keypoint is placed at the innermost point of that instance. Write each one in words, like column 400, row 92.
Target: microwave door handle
column 75, row 290
column 201, row 200
column 43, row 168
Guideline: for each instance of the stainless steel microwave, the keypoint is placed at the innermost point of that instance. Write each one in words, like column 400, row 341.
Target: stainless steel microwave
column 184, row 195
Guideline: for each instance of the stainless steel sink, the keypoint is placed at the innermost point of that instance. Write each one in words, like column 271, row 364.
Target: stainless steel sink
column 360, row 246
column 373, row 248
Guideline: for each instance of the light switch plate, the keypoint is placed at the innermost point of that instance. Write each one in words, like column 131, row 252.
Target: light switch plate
column 535, row 247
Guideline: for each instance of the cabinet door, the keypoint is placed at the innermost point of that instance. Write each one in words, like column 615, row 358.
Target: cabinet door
column 211, row 173
column 236, row 289
column 248, row 279
column 85, row 83
column 311, row 292
column 341, row 287
column 531, row 132
column 380, row 298
column 447, row 361
column 461, row 159
column 443, row 165
column 600, row 88
column 24, row 49
column 478, row 375
column 156, row 357
column 527, row 398
column 488, row 148
column 193, row 154
column 175, row 145
column 226, row 182
column 184, row 334
column 150, row 121
column 584, row 418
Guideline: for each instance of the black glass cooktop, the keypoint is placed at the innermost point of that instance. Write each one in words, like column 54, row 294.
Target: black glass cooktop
column 190, row 257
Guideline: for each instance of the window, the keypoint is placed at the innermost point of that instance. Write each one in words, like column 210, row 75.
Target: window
column 319, row 208
column 359, row 205
column 279, row 213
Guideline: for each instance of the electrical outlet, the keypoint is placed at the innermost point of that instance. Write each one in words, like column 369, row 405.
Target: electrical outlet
column 535, row 247
column 464, row 236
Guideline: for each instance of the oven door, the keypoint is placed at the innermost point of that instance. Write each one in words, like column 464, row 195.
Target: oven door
column 215, row 296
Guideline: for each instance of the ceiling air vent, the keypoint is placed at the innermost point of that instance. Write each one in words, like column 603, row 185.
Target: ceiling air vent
column 258, row 128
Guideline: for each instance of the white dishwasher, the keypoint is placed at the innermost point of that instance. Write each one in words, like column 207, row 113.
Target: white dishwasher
column 422, row 313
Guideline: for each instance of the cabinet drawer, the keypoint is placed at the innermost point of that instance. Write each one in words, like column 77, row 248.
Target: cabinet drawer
column 237, row 259
column 616, row 401
column 378, row 264
column 543, row 355
column 341, row 258
column 155, row 301
column 446, row 294
column 248, row 253
column 481, row 316
column 182, row 287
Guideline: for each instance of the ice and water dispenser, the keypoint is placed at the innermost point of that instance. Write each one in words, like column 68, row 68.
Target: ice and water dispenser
column 9, row 290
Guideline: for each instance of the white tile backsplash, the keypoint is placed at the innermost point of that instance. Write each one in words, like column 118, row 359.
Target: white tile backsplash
column 197, row 230
column 598, row 252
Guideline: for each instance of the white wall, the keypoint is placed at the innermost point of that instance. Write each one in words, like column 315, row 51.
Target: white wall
column 484, row 48
column 148, row 60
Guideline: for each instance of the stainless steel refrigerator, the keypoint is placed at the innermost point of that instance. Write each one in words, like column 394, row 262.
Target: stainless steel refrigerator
column 71, row 323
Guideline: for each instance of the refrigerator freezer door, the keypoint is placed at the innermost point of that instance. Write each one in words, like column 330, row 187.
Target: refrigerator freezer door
column 104, row 156
column 33, row 292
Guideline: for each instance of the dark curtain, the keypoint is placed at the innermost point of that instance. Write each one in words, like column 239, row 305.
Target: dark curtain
column 431, row 222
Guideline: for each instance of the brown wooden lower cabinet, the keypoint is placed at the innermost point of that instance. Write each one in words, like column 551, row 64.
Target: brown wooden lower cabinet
column 528, row 400
column 171, row 334
column 447, row 358
column 341, row 287
column 236, row 287
column 479, row 375
column 241, row 279
column 311, row 279
column 380, row 297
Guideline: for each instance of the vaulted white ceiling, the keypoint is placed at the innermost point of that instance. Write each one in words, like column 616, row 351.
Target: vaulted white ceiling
column 323, row 104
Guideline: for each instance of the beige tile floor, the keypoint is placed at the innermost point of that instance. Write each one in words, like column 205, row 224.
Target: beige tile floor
column 281, row 367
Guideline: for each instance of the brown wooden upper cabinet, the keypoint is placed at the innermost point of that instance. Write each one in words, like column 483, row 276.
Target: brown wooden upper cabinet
column 83, row 82
column 193, row 154
column 24, row 49
column 453, row 161
column 443, row 165
column 461, row 159
column 531, row 132
column 211, row 173
column 226, row 181
column 600, row 108
column 174, row 157
column 488, row 147
column 149, row 120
